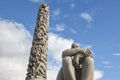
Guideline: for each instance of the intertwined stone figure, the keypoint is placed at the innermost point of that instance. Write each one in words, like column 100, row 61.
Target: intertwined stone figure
column 77, row 64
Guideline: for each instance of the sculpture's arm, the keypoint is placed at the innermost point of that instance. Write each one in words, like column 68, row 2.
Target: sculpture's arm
column 71, row 52
column 78, row 58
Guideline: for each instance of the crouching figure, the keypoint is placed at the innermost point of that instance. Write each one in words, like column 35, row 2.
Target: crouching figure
column 77, row 64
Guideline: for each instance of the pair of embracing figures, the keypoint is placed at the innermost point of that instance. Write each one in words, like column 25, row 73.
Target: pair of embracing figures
column 77, row 64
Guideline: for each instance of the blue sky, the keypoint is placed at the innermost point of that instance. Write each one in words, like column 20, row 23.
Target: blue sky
column 92, row 23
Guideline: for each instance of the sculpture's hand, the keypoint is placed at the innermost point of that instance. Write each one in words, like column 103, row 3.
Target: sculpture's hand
column 87, row 52
column 76, row 63
column 78, row 58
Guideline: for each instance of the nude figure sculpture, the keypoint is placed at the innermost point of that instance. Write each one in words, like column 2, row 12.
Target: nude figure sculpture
column 77, row 64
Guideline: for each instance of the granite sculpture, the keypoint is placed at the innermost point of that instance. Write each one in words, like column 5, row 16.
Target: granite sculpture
column 77, row 64
column 38, row 55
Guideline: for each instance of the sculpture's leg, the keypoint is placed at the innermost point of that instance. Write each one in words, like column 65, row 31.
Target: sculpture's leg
column 60, row 75
column 68, row 68
column 87, row 69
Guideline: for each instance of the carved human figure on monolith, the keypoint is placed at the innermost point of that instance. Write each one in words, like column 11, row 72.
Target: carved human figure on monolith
column 38, row 56
column 77, row 64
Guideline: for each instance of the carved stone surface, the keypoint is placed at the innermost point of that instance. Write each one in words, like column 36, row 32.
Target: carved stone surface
column 77, row 64
column 38, row 56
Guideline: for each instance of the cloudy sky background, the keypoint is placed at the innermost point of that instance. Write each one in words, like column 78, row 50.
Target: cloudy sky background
column 91, row 23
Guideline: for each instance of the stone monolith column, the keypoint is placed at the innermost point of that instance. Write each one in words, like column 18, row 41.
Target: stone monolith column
column 38, row 55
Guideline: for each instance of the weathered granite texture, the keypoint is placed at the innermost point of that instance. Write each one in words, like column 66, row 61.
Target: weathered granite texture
column 38, row 56
column 77, row 64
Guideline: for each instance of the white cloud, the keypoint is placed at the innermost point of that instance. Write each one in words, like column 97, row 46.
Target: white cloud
column 57, row 44
column 15, row 45
column 60, row 27
column 13, row 38
column 72, row 5
column 98, row 75
column 12, row 68
column 86, row 46
column 86, row 16
column 109, row 66
column 105, row 62
column 37, row 1
column 52, row 70
column 89, row 46
column 73, row 31
column 56, row 13
column 116, row 54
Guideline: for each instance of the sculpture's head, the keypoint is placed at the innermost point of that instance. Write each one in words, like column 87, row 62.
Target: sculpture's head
column 74, row 45
column 45, row 6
